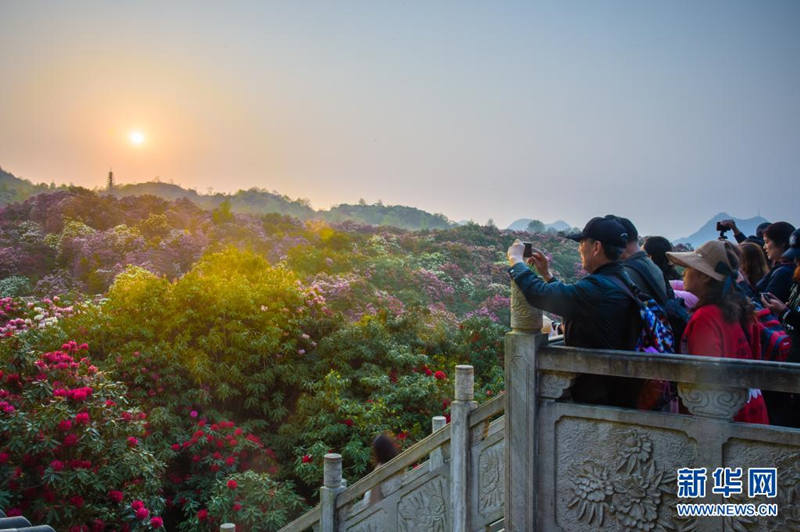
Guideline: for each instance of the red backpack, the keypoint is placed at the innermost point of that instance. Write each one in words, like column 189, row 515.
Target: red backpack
column 775, row 341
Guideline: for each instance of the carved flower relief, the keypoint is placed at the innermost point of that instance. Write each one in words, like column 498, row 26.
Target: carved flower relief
column 788, row 501
column 630, row 494
column 636, row 449
column 593, row 491
column 425, row 508
column 636, row 499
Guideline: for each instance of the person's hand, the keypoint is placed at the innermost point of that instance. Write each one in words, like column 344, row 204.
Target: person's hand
column 730, row 224
column 775, row 305
column 515, row 252
column 539, row 261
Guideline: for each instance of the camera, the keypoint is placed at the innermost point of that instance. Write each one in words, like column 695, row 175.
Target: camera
column 722, row 228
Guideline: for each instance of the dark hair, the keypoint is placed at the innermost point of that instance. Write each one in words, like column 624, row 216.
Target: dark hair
column 384, row 448
column 761, row 228
column 735, row 306
column 754, row 262
column 657, row 247
column 779, row 233
column 613, row 253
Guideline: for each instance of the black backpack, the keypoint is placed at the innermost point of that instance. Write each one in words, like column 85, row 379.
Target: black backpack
column 674, row 307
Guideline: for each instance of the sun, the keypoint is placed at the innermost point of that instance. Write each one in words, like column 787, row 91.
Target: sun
column 136, row 137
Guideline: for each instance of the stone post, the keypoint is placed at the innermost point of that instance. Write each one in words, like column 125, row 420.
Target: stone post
column 227, row 527
column 460, row 447
column 332, row 475
column 520, row 413
column 436, row 458
column 524, row 317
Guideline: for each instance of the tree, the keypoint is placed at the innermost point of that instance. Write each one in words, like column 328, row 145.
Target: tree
column 535, row 226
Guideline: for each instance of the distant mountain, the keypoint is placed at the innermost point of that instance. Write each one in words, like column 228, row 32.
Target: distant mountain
column 709, row 230
column 252, row 201
column 258, row 201
column 522, row 225
column 394, row 215
column 13, row 189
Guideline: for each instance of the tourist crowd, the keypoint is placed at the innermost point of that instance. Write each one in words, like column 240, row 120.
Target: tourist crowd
column 733, row 300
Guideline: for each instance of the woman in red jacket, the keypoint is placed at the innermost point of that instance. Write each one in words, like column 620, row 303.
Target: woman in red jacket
column 722, row 324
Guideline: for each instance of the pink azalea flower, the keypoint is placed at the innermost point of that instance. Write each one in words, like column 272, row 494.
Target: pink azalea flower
column 156, row 522
column 232, row 484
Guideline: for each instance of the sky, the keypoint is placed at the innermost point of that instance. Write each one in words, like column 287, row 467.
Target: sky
column 665, row 112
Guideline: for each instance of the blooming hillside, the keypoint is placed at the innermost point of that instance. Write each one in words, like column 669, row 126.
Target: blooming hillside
column 169, row 367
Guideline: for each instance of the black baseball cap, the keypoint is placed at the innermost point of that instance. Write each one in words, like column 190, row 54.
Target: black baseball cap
column 633, row 234
column 606, row 229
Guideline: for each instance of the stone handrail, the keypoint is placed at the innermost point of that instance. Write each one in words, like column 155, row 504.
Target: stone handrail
column 412, row 456
column 713, row 371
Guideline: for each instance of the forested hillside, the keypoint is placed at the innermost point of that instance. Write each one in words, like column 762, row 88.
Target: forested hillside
column 164, row 361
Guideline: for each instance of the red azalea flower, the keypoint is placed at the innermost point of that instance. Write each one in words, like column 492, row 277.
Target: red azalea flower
column 176, row 447
column 77, row 501
column 202, row 515
column 57, row 465
column 440, row 375
column 232, row 484
column 142, row 513
column 82, row 418
column 4, row 457
column 348, row 422
column 229, row 461
column 307, row 458
column 132, row 442
column 237, row 507
column 70, row 440
column 156, row 522
column 115, row 495
column 137, row 504
column 64, row 425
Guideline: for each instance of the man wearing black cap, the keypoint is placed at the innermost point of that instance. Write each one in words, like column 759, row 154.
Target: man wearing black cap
column 597, row 312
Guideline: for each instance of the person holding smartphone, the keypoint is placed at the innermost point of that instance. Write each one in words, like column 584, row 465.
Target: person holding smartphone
column 596, row 311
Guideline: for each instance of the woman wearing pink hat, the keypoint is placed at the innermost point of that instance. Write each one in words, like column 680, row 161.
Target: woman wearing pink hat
column 722, row 324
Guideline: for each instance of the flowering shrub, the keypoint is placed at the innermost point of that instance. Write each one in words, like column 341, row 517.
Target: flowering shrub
column 72, row 450
column 252, row 500
column 18, row 314
column 208, row 454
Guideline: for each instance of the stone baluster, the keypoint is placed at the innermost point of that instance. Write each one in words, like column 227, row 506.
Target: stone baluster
column 332, row 484
column 520, row 412
column 460, row 447
column 227, row 527
column 436, row 459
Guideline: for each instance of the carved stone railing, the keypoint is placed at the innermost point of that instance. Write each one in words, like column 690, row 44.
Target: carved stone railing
column 451, row 480
column 577, row 466
column 553, row 464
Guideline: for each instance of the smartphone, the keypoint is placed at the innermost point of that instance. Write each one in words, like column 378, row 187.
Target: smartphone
column 528, row 250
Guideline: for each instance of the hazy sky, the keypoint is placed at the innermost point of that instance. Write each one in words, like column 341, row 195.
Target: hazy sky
column 667, row 112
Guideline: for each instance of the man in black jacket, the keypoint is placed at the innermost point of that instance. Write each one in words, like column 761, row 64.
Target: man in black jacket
column 597, row 312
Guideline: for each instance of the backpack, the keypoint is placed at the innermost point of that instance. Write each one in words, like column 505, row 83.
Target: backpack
column 775, row 341
column 674, row 307
column 655, row 336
